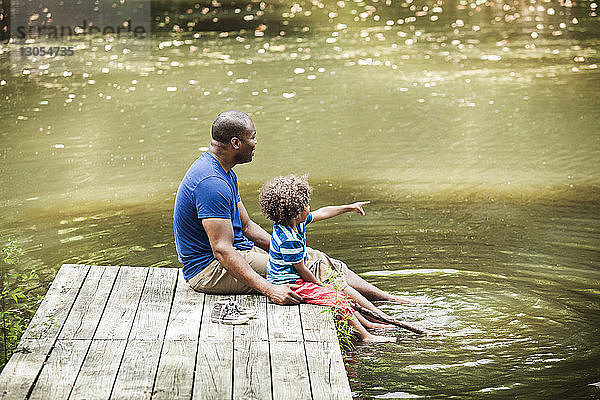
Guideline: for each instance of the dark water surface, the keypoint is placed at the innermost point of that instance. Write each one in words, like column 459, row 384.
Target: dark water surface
column 473, row 127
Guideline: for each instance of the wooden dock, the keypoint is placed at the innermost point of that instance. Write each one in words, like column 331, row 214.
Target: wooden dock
column 143, row 333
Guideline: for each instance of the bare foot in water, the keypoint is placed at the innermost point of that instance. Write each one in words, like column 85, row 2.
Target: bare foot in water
column 404, row 300
column 377, row 339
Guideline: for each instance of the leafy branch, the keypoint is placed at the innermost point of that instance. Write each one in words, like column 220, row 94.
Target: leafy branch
column 345, row 331
column 18, row 300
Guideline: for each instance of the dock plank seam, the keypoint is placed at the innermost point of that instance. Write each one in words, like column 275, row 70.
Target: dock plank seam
column 164, row 335
column 251, row 353
column 312, row 394
column 96, row 328
column 107, row 299
column 269, row 348
column 37, row 376
column 97, row 286
column 197, row 347
column 130, row 329
column 232, row 362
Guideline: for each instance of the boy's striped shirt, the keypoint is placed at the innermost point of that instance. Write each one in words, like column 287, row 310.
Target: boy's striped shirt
column 287, row 248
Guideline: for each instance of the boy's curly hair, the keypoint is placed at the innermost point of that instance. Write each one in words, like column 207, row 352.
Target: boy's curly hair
column 283, row 198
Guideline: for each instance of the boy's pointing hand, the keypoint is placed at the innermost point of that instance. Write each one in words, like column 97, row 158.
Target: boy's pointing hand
column 358, row 207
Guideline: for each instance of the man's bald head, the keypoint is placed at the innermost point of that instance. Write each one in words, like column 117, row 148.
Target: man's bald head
column 231, row 124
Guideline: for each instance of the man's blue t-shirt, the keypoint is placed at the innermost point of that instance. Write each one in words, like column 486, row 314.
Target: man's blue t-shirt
column 206, row 191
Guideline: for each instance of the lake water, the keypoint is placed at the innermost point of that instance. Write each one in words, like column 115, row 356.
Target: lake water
column 473, row 127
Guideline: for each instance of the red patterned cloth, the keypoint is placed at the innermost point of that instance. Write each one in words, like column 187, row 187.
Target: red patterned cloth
column 325, row 296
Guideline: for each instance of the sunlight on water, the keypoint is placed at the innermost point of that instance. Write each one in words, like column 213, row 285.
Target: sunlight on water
column 411, row 272
column 471, row 126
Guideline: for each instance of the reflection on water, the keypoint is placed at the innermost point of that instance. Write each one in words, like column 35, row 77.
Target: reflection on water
column 519, row 308
column 471, row 126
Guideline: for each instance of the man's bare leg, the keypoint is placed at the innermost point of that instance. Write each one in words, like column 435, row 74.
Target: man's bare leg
column 370, row 291
column 370, row 324
column 363, row 302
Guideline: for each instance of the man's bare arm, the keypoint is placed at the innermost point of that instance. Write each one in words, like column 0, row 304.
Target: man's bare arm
column 252, row 230
column 220, row 235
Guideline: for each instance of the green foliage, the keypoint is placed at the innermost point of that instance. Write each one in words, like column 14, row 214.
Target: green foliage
column 12, row 252
column 18, row 301
column 345, row 331
column 345, row 334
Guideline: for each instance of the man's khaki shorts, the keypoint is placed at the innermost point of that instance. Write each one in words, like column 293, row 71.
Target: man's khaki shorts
column 215, row 279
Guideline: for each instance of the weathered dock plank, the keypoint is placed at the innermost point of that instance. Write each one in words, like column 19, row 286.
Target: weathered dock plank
column 175, row 376
column 99, row 370
column 137, row 371
column 283, row 323
column 54, row 309
column 60, row 371
column 214, row 364
column 153, row 311
column 326, row 369
column 122, row 305
column 19, row 373
column 186, row 313
column 289, row 371
column 257, row 330
column 87, row 310
column 250, row 367
column 143, row 333
column 212, row 331
column 317, row 324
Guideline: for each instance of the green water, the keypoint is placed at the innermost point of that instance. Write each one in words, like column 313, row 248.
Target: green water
column 477, row 143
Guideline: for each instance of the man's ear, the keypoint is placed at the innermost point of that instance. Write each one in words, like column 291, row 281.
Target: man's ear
column 235, row 142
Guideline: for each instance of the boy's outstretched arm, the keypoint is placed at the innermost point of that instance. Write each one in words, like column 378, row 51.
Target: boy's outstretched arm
column 332, row 211
column 306, row 274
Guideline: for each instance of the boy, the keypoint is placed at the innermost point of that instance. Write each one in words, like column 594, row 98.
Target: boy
column 285, row 201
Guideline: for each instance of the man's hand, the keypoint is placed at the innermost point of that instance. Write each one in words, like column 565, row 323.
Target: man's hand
column 358, row 206
column 283, row 294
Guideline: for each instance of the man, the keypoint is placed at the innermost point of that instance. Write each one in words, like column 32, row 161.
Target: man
column 222, row 250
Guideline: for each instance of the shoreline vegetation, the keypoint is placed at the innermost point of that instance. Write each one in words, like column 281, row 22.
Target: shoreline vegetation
column 19, row 300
